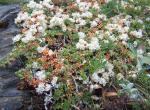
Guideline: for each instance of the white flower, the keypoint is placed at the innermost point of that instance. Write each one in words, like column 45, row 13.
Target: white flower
column 40, row 75
column 112, row 38
column 76, row 15
column 124, row 42
column 127, row 23
column 47, row 100
column 134, row 76
column 98, row 79
column 105, row 75
column 102, row 81
column 96, row 6
column 140, row 21
column 64, row 28
column 41, row 17
column 43, row 87
column 94, row 44
column 140, row 51
column 126, row 29
column 48, row 87
column 128, row 17
column 135, row 43
column 109, row 68
column 22, row 16
column 33, row 29
column 106, row 41
column 120, row 76
column 95, row 77
column 102, row 16
column 54, row 80
column 81, row 22
column 95, row 86
column 148, row 54
column 28, row 37
column 100, row 34
column 148, row 19
column 87, row 14
column 37, row 13
column 81, row 35
column 57, row 21
column 40, row 29
column 41, row 49
column 138, row 34
column 34, row 5
column 107, row 33
column 48, row 4
column 35, row 65
column 124, row 37
column 84, row 6
column 31, row 4
column 48, row 1
column 71, row 20
column 148, row 75
column 50, row 52
column 93, row 24
column 82, row 44
column 17, row 38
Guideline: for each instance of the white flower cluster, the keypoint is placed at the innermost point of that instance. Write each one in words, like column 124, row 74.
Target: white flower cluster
column 102, row 76
column 34, row 5
column 40, row 75
column 137, row 33
column 41, row 49
column 58, row 20
column 82, row 44
column 38, row 6
column 94, row 44
column 80, row 18
column 121, row 25
column 83, row 6
column 32, row 24
column 45, row 87
column 37, row 22
column 17, row 38
column 22, row 16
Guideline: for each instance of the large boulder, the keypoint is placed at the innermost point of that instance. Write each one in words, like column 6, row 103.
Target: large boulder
column 10, row 97
column 7, row 27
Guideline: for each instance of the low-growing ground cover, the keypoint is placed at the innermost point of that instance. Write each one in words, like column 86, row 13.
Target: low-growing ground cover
column 85, row 54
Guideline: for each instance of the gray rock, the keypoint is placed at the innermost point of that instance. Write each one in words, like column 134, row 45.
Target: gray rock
column 6, row 73
column 7, row 27
column 8, row 13
column 11, row 103
column 12, row 92
column 9, row 82
column 10, row 97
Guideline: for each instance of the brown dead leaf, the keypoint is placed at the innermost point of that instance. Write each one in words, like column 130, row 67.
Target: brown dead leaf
column 110, row 94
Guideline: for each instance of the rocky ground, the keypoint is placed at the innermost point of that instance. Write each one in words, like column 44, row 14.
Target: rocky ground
column 10, row 97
